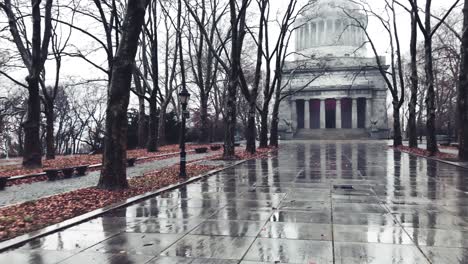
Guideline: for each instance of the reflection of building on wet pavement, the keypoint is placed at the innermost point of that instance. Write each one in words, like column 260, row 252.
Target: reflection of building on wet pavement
column 348, row 99
column 316, row 202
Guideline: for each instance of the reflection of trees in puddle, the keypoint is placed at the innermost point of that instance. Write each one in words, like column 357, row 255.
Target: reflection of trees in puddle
column 413, row 175
column 110, row 226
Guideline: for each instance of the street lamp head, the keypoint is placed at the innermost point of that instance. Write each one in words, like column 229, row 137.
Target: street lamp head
column 184, row 96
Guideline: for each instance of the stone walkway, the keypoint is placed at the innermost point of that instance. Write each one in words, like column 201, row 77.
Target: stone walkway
column 316, row 203
column 27, row 192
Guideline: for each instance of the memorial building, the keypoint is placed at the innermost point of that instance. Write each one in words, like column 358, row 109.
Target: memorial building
column 337, row 91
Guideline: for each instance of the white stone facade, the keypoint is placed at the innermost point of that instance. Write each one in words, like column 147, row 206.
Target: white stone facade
column 332, row 84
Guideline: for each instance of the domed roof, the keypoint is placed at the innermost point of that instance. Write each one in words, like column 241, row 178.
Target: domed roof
column 332, row 8
column 329, row 28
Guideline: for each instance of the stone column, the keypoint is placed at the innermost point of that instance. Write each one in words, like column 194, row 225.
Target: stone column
column 298, row 39
column 325, row 31
column 338, row 113
column 368, row 112
column 294, row 114
column 354, row 113
column 306, row 114
column 313, row 29
column 317, row 30
column 302, row 37
column 322, row 114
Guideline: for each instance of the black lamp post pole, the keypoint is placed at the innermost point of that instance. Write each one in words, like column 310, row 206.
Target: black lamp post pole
column 183, row 154
column 184, row 96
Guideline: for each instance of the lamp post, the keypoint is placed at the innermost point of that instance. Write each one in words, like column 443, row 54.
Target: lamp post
column 184, row 96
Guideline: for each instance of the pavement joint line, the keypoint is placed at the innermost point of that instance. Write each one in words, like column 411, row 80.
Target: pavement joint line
column 23, row 239
column 264, row 226
column 332, row 223
column 385, row 206
column 187, row 233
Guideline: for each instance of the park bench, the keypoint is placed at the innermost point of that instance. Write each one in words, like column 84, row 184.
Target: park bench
column 131, row 162
column 68, row 172
column 443, row 140
column 201, row 150
column 81, row 170
column 215, row 147
column 3, row 182
column 54, row 174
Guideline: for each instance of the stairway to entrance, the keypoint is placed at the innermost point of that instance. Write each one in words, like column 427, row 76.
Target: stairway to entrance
column 334, row 134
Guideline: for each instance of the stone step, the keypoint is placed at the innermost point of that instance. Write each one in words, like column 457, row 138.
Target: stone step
column 335, row 134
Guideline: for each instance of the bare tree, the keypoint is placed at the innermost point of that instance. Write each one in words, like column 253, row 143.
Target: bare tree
column 463, row 89
column 59, row 41
column 113, row 173
column 203, row 63
column 428, row 32
column 252, row 94
column 34, row 54
column 412, row 126
column 395, row 77
column 232, row 67
column 275, row 56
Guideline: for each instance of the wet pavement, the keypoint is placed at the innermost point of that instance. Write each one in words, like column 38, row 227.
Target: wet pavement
column 332, row 202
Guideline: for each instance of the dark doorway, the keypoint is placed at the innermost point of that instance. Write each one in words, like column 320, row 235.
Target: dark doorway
column 330, row 113
column 300, row 113
column 361, row 112
column 314, row 114
column 346, row 113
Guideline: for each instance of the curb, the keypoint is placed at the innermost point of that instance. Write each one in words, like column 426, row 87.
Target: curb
column 434, row 159
column 20, row 240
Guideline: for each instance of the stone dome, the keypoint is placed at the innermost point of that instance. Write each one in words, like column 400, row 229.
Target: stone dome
column 329, row 28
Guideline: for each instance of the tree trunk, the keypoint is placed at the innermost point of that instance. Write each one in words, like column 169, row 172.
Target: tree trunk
column 250, row 131
column 397, row 138
column 113, row 173
column 463, row 91
column 230, row 119
column 412, row 127
column 204, row 130
column 32, row 156
column 50, row 146
column 142, row 124
column 264, row 127
column 162, row 126
column 233, row 81
column 430, row 98
column 274, row 124
column 152, row 145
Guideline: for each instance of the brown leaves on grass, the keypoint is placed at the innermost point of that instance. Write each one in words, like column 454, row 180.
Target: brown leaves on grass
column 241, row 154
column 425, row 153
